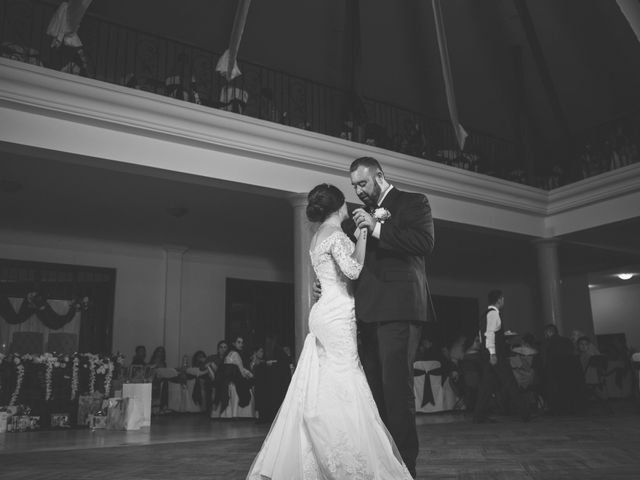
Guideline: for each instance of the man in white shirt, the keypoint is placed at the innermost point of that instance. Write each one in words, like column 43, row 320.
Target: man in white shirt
column 496, row 368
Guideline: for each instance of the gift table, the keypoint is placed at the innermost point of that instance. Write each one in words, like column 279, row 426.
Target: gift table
column 58, row 390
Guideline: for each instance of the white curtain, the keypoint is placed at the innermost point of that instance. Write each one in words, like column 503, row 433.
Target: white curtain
column 33, row 324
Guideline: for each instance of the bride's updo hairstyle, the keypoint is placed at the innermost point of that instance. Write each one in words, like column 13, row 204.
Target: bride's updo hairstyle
column 323, row 200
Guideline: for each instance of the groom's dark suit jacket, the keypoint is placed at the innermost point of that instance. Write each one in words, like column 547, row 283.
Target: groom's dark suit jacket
column 393, row 282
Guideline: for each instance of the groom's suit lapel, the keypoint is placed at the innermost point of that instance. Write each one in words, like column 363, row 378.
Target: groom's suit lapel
column 390, row 200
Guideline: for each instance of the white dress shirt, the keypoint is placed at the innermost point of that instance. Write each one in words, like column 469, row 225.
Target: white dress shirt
column 493, row 325
column 376, row 229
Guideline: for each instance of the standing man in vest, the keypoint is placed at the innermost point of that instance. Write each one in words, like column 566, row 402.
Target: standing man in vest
column 496, row 369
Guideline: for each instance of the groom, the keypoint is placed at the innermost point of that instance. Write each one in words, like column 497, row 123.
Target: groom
column 392, row 295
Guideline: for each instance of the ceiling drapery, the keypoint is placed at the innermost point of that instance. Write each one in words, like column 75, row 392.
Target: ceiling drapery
column 461, row 134
column 631, row 10
column 227, row 64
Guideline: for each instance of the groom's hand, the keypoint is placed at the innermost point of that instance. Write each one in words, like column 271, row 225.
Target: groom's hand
column 316, row 289
column 363, row 219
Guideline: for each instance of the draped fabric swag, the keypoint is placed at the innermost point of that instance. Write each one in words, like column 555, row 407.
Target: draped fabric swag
column 227, row 65
column 461, row 134
column 631, row 10
column 19, row 315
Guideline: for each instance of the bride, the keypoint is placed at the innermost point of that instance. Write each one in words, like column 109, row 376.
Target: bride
column 328, row 427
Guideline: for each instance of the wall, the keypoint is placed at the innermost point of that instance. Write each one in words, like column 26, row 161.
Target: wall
column 617, row 310
column 576, row 305
column 520, row 312
column 140, row 287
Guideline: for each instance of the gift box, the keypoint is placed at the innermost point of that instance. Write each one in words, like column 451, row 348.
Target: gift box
column 87, row 405
column 97, row 421
column 19, row 423
column 142, row 393
column 60, row 420
column 124, row 414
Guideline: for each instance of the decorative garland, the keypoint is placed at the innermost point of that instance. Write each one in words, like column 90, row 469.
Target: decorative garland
column 74, row 376
column 36, row 304
column 19, row 378
column 95, row 364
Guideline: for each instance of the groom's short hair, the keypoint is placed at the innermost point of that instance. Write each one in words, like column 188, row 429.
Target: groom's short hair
column 368, row 162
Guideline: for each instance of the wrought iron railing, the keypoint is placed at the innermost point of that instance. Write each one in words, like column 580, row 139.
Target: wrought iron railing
column 126, row 56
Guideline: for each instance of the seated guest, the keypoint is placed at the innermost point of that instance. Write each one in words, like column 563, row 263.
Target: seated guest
column 159, row 382
column 158, row 358
column 525, row 363
column 235, row 357
column 563, row 381
column 140, row 356
column 233, row 372
column 527, row 346
column 217, row 359
column 204, row 382
column 586, row 350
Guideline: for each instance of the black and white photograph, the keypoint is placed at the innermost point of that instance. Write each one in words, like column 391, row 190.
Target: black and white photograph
column 319, row 239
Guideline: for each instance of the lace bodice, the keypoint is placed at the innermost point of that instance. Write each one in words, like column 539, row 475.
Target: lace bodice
column 332, row 261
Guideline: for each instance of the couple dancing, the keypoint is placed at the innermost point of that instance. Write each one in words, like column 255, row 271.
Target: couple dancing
column 338, row 420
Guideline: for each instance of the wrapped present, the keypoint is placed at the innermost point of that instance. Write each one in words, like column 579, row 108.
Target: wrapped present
column 19, row 423
column 87, row 405
column 141, row 392
column 97, row 421
column 60, row 420
column 124, row 413
column 116, row 410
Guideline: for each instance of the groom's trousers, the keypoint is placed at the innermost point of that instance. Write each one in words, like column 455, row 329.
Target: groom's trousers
column 388, row 351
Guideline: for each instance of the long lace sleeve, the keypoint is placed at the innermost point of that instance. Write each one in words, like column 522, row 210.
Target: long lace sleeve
column 341, row 250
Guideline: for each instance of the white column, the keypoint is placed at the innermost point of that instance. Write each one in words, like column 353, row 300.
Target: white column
column 549, row 276
column 172, row 334
column 303, row 271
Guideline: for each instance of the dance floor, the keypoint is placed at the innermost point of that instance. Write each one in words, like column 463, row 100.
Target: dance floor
column 192, row 447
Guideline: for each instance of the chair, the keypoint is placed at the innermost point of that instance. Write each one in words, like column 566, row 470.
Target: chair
column 181, row 395
column 596, row 380
column 443, row 396
column 66, row 343
column 27, row 342
column 226, row 399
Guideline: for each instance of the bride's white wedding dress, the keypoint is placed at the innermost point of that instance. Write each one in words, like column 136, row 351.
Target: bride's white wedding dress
column 328, row 426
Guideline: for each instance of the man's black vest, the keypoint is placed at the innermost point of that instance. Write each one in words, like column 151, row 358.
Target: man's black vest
column 501, row 344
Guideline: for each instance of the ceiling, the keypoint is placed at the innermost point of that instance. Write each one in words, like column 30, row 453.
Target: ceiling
column 152, row 207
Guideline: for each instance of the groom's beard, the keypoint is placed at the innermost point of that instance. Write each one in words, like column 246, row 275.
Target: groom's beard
column 371, row 201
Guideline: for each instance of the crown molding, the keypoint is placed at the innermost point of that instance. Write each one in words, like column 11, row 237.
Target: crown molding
column 143, row 129
column 606, row 186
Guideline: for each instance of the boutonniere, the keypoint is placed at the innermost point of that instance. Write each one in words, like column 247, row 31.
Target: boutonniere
column 381, row 214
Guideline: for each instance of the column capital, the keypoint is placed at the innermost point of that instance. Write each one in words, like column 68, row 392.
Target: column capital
column 176, row 250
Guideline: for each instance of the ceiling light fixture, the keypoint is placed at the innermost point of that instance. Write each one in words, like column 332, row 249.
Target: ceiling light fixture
column 625, row 276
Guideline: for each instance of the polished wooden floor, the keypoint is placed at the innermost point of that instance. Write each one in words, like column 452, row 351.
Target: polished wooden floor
column 189, row 446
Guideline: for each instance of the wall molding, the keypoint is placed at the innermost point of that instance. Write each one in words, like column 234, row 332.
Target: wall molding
column 98, row 121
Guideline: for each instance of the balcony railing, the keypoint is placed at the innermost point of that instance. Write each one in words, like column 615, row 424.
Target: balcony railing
column 125, row 56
